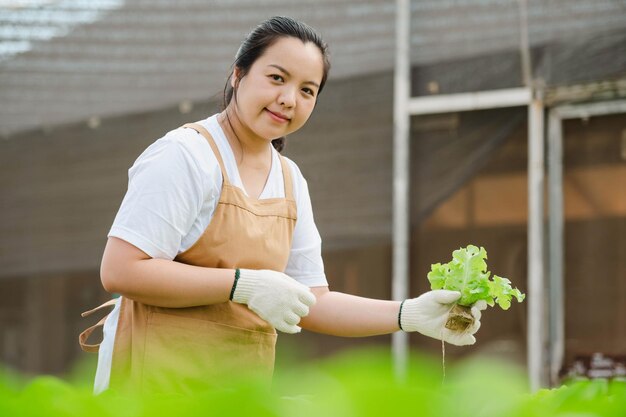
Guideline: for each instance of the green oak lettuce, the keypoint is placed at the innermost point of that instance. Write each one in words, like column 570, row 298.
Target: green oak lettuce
column 467, row 273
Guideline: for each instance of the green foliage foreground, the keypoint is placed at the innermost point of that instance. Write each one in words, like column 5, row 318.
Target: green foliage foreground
column 356, row 383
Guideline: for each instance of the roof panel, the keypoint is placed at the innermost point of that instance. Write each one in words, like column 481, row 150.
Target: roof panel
column 65, row 61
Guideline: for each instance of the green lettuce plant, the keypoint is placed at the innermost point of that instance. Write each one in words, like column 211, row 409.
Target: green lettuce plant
column 467, row 273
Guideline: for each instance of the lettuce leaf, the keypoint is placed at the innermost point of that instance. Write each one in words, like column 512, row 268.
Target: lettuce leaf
column 467, row 273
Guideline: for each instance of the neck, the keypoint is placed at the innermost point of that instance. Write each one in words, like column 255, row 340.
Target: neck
column 249, row 148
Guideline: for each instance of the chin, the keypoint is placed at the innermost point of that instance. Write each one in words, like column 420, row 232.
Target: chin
column 268, row 136
column 272, row 134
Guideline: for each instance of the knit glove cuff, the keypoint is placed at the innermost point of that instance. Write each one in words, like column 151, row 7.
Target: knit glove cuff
column 274, row 296
column 246, row 280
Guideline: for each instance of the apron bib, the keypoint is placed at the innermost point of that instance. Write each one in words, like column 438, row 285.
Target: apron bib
column 159, row 349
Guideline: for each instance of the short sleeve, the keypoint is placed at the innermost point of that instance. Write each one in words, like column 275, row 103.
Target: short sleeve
column 305, row 262
column 165, row 195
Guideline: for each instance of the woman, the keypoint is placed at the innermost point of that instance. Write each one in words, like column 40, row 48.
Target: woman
column 214, row 246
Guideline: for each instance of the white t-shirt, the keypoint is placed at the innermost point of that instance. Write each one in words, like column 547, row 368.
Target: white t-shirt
column 173, row 189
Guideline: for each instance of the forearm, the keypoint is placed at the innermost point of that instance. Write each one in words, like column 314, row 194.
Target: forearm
column 164, row 283
column 340, row 314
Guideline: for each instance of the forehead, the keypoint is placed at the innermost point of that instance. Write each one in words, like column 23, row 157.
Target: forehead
column 302, row 60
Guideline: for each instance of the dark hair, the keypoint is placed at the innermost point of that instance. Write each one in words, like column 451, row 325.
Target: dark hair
column 264, row 36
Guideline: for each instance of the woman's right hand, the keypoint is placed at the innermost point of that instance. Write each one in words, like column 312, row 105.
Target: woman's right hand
column 275, row 297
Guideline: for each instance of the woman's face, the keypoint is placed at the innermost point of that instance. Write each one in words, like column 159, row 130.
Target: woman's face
column 278, row 94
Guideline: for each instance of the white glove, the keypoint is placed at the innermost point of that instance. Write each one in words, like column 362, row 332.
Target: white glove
column 428, row 313
column 275, row 297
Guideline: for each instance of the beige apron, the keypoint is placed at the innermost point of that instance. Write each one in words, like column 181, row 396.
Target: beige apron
column 159, row 349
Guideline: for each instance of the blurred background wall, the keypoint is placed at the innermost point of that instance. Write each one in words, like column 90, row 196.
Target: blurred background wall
column 86, row 86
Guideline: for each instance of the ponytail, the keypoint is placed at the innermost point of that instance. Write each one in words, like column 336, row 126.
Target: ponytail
column 279, row 144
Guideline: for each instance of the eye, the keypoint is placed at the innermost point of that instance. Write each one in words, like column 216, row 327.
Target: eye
column 309, row 91
column 276, row 77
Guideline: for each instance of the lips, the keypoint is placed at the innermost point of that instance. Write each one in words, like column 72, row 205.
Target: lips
column 279, row 116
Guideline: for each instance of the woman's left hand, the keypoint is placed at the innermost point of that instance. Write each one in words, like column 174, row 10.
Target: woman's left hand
column 428, row 314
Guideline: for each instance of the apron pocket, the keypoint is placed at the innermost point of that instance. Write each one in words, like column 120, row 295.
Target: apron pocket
column 183, row 354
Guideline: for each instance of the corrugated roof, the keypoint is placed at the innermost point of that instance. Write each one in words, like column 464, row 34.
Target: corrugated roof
column 66, row 61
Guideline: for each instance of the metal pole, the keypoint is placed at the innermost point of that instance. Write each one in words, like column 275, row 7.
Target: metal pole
column 556, row 250
column 525, row 43
column 402, row 92
column 536, row 335
column 448, row 103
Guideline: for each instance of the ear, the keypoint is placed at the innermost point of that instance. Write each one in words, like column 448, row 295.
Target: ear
column 234, row 79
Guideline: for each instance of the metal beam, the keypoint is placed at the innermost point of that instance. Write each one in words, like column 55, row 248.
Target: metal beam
column 510, row 97
column 584, row 111
column 401, row 224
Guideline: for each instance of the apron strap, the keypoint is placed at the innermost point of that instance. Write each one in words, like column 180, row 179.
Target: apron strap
column 201, row 130
column 286, row 171
column 111, row 302
column 82, row 338
column 287, row 178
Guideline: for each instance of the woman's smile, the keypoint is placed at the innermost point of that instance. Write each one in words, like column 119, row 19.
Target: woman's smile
column 278, row 117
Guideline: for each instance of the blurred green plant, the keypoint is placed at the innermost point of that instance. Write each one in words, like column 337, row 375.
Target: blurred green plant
column 355, row 383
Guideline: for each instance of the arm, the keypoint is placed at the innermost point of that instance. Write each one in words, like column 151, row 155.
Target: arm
column 347, row 315
column 129, row 271
column 275, row 297
column 341, row 314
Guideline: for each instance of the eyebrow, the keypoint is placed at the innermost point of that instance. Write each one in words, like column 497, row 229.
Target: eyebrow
column 289, row 75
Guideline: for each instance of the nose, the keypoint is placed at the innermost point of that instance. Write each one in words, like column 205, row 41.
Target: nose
column 287, row 97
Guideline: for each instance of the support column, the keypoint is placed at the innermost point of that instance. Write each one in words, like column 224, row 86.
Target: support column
column 401, row 222
column 555, row 249
column 536, row 329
